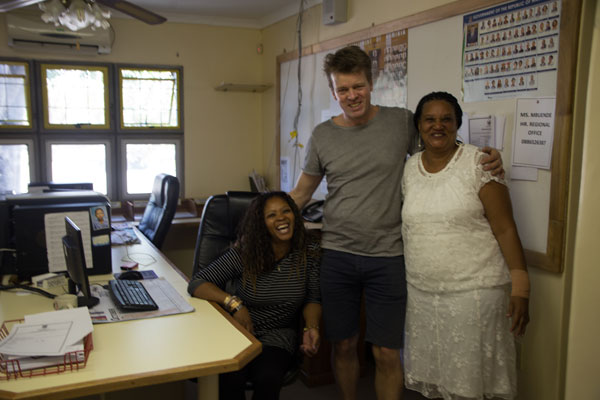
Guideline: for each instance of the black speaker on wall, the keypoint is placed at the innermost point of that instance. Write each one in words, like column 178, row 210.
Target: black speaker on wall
column 334, row 11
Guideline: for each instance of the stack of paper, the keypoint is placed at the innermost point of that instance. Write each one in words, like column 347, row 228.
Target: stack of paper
column 43, row 340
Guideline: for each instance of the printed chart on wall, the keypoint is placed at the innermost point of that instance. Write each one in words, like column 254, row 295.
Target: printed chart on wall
column 511, row 50
column 388, row 65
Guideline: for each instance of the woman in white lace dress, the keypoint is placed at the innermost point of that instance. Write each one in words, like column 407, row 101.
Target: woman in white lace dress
column 467, row 280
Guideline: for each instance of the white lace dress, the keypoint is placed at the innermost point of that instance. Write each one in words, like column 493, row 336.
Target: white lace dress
column 458, row 343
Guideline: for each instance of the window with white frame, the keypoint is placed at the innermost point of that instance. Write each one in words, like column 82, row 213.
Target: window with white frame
column 91, row 158
column 149, row 98
column 15, row 105
column 16, row 165
column 75, row 97
column 117, row 126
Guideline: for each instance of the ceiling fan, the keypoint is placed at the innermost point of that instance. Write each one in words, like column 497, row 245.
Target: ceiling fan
column 123, row 6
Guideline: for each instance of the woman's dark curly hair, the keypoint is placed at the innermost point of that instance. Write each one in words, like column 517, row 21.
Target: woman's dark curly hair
column 254, row 240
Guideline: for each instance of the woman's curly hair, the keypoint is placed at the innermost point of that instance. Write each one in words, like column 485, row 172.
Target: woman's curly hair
column 254, row 240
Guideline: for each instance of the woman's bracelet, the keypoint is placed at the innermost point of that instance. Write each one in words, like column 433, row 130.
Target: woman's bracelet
column 233, row 304
column 308, row 328
column 520, row 283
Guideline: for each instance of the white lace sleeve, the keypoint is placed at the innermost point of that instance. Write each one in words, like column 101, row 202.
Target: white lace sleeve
column 482, row 176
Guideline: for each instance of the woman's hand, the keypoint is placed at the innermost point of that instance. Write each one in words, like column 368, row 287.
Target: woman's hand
column 518, row 310
column 311, row 339
column 243, row 317
column 492, row 162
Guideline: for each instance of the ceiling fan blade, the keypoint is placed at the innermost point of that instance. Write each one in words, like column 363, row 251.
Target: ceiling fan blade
column 7, row 5
column 135, row 11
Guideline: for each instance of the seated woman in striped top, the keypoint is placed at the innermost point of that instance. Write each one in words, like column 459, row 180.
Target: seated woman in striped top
column 274, row 266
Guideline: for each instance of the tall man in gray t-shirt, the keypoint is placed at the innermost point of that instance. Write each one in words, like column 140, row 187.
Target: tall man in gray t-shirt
column 362, row 153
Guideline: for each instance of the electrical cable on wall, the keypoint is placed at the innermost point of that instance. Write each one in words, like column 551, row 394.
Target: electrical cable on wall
column 294, row 133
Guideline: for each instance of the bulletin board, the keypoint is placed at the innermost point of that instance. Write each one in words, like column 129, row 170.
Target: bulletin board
column 435, row 62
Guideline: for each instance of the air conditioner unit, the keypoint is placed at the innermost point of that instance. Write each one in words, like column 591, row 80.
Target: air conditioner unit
column 29, row 32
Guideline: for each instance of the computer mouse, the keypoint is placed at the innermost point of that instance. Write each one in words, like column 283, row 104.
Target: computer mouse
column 131, row 275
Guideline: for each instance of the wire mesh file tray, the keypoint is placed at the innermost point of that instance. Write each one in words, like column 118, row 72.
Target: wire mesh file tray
column 36, row 366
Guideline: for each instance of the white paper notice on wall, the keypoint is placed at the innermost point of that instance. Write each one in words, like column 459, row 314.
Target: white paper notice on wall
column 534, row 132
column 500, row 120
column 482, row 131
column 285, row 172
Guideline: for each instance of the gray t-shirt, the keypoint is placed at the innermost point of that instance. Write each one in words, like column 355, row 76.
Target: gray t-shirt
column 363, row 166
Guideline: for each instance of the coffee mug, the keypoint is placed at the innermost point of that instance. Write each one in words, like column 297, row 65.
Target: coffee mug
column 65, row 301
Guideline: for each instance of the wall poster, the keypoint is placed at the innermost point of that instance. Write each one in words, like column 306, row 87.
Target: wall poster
column 511, row 50
column 389, row 54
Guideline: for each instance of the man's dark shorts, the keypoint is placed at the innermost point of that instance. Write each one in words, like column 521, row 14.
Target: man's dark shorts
column 344, row 277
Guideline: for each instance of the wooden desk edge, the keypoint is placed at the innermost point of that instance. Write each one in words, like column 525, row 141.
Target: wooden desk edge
column 131, row 381
column 255, row 348
column 126, row 381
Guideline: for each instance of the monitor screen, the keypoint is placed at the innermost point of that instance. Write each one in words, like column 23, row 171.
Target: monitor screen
column 76, row 268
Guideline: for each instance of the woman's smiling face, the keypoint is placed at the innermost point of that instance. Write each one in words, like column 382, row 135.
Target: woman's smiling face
column 279, row 220
column 438, row 125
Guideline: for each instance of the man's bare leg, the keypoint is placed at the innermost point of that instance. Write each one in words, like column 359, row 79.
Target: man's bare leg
column 346, row 367
column 389, row 380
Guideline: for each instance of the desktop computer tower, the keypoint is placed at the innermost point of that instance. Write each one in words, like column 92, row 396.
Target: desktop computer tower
column 30, row 220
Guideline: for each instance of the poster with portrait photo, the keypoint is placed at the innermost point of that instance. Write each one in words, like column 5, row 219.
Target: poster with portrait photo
column 516, row 52
column 472, row 37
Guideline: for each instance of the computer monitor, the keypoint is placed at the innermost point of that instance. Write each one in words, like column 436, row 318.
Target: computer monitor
column 55, row 186
column 76, row 268
column 28, row 215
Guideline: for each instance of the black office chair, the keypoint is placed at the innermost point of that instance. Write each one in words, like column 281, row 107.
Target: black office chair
column 218, row 228
column 218, row 225
column 160, row 209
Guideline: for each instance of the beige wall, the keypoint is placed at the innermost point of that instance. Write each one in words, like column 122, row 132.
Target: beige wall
column 550, row 338
column 583, row 349
column 223, row 135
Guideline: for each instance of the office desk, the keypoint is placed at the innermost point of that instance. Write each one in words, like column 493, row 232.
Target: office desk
column 143, row 352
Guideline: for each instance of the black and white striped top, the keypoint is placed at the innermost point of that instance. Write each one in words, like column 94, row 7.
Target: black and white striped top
column 279, row 297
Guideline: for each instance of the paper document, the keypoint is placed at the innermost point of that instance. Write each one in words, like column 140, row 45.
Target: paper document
column 80, row 316
column 46, row 339
column 36, row 339
column 482, row 131
column 55, row 230
column 534, row 132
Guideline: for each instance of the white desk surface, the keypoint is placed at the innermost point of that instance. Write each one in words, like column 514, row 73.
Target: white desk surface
column 141, row 352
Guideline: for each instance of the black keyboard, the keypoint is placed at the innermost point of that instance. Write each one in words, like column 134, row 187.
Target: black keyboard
column 131, row 295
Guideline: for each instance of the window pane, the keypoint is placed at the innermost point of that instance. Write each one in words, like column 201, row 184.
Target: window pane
column 75, row 96
column 14, row 100
column 149, row 98
column 72, row 163
column 145, row 161
column 14, row 168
